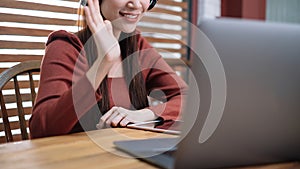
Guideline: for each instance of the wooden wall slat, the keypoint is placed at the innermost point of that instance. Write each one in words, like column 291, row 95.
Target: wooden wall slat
column 19, row 58
column 15, row 137
column 36, row 6
column 183, row 5
column 169, row 10
column 72, row 0
column 12, row 98
column 183, row 14
column 35, row 20
column 4, row 30
column 2, row 69
column 2, row 140
column 177, row 62
column 163, row 21
column 165, row 31
column 13, row 125
column 14, row 112
column 23, row 84
column 161, row 40
column 182, row 51
column 21, row 45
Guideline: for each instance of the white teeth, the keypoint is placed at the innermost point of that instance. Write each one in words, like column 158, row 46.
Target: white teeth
column 131, row 16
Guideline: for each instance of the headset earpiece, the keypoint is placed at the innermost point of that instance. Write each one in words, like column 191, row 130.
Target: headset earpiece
column 83, row 2
column 152, row 4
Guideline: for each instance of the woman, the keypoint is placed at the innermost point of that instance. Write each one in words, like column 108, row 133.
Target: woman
column 102, row 75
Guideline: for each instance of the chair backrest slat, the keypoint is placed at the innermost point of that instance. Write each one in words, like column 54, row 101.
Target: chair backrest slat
column 6, row 124
column 21, row 114
column 32, row 88
column 14, row 118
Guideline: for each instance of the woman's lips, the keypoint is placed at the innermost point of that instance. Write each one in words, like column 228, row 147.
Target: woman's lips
column 130, row 15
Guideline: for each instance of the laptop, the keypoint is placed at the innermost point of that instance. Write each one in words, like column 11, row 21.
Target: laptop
column 243, row 106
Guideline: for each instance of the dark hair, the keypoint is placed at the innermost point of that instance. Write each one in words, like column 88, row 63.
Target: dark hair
column 131, row 67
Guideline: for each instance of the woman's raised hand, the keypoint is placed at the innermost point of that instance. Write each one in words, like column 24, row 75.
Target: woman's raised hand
column 107, row 44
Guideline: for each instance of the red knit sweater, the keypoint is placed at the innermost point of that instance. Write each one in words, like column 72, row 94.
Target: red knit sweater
column 66, row 101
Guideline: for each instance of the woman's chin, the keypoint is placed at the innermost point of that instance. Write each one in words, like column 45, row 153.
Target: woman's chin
column 126, row 28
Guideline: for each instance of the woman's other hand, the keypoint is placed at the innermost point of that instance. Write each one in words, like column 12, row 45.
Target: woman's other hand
column 118, row 116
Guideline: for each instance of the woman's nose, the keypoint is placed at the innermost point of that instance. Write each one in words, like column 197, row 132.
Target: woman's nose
column 134, row 4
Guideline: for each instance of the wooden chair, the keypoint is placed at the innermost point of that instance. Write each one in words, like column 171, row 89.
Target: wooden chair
column 9, row 80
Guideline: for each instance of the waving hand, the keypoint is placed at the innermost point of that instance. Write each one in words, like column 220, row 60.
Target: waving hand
column 107, row 44
column 102, row 30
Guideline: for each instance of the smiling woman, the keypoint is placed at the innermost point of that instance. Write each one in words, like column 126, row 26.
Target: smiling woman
column 26, row 24
column 109, row 65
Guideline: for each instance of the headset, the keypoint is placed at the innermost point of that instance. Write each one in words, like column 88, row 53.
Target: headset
column 152, row 3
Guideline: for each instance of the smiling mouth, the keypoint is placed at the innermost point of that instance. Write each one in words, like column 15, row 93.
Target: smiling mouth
column 129, row 15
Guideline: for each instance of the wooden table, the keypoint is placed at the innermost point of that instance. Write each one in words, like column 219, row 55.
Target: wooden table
column 89, row 150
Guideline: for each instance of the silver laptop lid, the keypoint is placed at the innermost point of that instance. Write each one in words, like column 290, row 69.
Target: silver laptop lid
column 256, row 119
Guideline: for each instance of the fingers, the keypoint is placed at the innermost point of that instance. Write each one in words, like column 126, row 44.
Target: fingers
column 118, row 119
column 115, row 120
column 95, row 11
column 123, row 118
column 109, row 113
column 105, row 117
column 124, row 122
column 97, row 6
column 113, row 117
column 93, row 16
column 89, row 19
column 102, row 32
column 116, row 116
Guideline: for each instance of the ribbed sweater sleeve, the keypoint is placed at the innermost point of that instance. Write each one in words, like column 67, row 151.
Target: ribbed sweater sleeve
column 63, row 84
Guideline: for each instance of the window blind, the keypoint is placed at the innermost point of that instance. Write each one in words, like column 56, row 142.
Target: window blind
column 25, row 25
